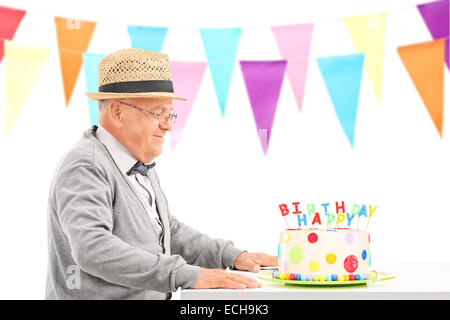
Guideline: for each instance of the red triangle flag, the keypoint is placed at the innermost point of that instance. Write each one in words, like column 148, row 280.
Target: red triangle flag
column 10, row 19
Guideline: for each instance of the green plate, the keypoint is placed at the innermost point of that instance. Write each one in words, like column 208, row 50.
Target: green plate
column 382, row 276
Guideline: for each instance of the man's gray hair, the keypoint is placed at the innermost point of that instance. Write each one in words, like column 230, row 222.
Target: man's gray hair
column 102, row 104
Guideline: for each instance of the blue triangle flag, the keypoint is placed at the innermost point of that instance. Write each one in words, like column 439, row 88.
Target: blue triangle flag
column 221, row 47
column 149, row 38
column 342, row 76
column 90, row 66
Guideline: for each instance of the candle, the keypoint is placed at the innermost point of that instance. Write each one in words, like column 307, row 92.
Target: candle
column 363, row 211
column 284, row 212
column 371, row 211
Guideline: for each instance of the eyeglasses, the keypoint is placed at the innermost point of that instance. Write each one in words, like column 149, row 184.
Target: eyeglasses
column 170, row 117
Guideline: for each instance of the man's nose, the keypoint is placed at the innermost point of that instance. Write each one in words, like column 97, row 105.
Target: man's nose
column 166, row 125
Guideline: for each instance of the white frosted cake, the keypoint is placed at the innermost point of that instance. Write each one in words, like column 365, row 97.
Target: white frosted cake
column 324, row 255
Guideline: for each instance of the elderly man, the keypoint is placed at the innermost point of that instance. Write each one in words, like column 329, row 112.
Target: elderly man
column 110, row 232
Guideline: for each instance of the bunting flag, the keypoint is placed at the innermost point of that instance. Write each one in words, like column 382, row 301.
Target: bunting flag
column 342, row 76
column 424, row 63
column 221, row 47
column 22, row 67
column 9, row 22
column 73, row 39
column 436, row 16
column 294, row 43
column 368, row 34
column 90, row 65
column 149, row 38
column 263, row 80
column 186, row 77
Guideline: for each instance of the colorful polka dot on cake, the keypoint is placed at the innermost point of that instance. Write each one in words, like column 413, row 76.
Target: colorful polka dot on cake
column 312, row 237
column 296, row 254
column 364, row 254
column 351, row 263
column 314, row 266
column 349, row 238
column 330, row 258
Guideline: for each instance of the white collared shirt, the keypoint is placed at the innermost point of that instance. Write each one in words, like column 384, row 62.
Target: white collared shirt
column 141, row 184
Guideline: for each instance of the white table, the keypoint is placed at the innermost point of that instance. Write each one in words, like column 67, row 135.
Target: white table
column 413, row 281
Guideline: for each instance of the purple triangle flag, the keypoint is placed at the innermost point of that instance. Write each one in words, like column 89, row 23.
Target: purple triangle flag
column 436, row 15
column 263, row 80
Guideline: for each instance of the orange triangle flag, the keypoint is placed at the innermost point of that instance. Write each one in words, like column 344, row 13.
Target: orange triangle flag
column 425, row 65
column 73, row 39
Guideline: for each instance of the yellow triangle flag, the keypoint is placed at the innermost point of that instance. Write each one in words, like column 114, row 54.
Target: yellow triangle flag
column 368, row 33
column 73, row 39
column 22, row 67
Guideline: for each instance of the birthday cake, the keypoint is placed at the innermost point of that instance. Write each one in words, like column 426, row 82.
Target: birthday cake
column 324, row 255
column 330, row 253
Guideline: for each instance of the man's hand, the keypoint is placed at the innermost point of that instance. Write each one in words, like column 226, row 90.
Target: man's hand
column 218, row 278
column 248, row 261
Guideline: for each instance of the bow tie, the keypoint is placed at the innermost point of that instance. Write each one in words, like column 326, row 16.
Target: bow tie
column 141, row 168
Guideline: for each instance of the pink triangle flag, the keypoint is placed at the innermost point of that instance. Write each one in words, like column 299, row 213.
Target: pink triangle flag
column 10, row 19
column 294, row 43
column 186, row 77
column 263, row 80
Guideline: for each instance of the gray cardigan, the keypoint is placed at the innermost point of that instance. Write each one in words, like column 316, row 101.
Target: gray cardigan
column 101, row 243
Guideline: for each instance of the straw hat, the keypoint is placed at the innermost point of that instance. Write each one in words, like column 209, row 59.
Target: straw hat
column 134, row 73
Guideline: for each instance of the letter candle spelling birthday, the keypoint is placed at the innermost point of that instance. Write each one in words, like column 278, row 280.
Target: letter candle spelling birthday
column 325, row 208
column 313, row 219
column 284, row 212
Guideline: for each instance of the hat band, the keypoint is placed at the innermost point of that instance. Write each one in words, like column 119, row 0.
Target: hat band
column 138, row 86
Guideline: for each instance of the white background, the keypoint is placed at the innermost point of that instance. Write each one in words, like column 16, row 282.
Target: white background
column 217, row 179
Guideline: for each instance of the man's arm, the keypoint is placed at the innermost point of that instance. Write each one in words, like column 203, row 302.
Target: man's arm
column 84, row 204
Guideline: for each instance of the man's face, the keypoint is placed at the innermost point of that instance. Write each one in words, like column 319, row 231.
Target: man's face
column 142, row 133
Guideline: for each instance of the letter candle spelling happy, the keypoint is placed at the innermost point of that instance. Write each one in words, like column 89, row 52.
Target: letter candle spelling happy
column 371, row 211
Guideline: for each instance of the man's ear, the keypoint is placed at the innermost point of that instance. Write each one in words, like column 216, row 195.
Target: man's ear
column 116, row 114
